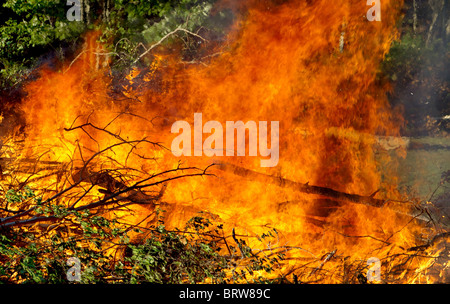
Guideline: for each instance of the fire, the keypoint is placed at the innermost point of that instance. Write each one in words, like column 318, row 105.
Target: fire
column 313, row 67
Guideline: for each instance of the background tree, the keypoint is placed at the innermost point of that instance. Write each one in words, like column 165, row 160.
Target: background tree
column 33, row 32
column 418, row 66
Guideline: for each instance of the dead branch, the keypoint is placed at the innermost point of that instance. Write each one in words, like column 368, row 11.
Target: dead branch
column 306, row 188
column 109, row 185
column 431, row 243
column 104, row 129
column 327, row 258
column 233, row 234
column 179, row 28
column 110, row 199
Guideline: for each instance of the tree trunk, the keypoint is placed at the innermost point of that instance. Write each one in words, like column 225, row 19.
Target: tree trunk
column 437, row 7
column 415, row 16
column 85, row 7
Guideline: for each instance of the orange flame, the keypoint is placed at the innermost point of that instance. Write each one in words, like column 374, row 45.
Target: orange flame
column 312, row 66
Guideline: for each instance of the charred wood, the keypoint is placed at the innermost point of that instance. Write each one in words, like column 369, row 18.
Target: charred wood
column 305, row 188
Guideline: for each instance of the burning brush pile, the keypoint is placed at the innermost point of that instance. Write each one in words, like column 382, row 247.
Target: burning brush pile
column 261, row 160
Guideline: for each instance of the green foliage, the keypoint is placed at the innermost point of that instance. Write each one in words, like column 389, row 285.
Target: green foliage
column 15, row 196
column 32, row 29
column 134, row 17
column 192, row 20
column 170, row 257
column 34, row 23
column 398, row 62
column 417, row 65
column 408, row 56
column 107, row 253
column 132, row 24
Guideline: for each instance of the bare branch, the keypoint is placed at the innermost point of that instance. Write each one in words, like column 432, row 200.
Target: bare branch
column 178, row 29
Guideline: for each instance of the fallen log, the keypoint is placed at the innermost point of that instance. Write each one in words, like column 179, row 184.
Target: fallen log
column 416, row 212
column 305, row 188
column 111, row 185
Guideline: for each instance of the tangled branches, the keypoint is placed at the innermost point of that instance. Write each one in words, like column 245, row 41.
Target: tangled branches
column 105, row 205
column 89, row 206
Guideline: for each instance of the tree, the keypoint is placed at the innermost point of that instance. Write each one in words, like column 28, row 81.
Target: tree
column 33, row 31
column 417, row 65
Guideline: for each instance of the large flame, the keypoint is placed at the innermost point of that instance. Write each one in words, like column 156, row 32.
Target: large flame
column 312, row 66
